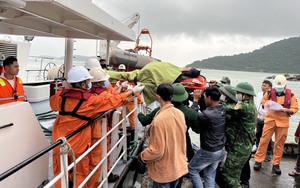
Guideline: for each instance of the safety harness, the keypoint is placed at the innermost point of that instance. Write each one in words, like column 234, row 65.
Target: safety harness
column 287, row 97
column 82, row 96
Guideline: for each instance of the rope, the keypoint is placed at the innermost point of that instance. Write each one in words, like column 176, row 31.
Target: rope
column 65, row 149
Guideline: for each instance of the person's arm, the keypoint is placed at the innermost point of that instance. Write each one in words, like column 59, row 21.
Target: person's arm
column 196, row 97
column 156, row 146
column 147, row 119
column 202, row 120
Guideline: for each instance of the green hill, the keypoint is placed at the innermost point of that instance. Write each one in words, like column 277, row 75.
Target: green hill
column 279, row 57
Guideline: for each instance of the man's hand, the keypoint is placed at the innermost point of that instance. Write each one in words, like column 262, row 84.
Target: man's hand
column 197, row 94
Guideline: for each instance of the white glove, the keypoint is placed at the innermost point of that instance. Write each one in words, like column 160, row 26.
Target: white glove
column 118, row 83
column 125, row 84
column 129, row 87
column 138, row 88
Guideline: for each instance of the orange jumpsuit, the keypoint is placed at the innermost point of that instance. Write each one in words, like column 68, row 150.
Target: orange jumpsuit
column 65, row 124
column 277, row 122
column 129, row 107
column 96, row 129
column 7, row 91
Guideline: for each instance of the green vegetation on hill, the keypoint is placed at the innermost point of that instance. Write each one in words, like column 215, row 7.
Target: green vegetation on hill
column 279, row 57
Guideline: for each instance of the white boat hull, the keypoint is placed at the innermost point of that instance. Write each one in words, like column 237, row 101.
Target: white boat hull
column 18, row 142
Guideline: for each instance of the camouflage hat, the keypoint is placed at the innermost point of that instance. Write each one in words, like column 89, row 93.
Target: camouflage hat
column 225, row 79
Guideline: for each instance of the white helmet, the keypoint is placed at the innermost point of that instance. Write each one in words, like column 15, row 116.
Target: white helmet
column 121, row 67
column 78, row 74
column 280, row 81
column 91, row 63
column 99, row 75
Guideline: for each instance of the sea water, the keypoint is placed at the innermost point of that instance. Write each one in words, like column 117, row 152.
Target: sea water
column 254, row 78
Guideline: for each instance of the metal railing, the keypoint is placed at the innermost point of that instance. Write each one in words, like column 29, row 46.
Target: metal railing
column 117, row 152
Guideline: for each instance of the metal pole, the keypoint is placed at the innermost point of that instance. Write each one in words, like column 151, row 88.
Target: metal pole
column 68, row 55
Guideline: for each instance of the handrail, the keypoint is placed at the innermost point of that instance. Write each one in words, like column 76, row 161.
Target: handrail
column 47, row 149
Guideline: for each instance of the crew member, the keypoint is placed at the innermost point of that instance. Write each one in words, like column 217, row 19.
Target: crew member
column 276, row 120
column 76, row 107
column 11, row 86
column 99, row 86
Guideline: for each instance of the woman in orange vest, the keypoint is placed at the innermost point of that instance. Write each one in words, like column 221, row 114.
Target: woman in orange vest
column 11, row 86
column 76, row 107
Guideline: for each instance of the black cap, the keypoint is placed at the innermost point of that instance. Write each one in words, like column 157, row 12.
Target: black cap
column 165, row 91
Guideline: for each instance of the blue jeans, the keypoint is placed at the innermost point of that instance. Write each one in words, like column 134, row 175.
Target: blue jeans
column 208, row 162
column 172, row 184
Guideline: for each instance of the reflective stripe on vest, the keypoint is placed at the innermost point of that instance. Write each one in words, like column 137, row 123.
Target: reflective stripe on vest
column 16, row 93
column 287, row 97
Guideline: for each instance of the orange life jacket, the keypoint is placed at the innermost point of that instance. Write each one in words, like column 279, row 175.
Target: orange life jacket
column 194, row 83
column 11, row 94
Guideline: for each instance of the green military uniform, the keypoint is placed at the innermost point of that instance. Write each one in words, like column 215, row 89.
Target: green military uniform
column 240, row 131
column 147, row 119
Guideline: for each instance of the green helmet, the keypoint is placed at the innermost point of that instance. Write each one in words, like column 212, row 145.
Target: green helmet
column 229, row 92
column 219, row 84
column 245, row 87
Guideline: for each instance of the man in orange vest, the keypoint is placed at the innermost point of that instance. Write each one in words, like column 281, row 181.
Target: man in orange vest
column 276, row 120
column 76, row 107
column 11, row 86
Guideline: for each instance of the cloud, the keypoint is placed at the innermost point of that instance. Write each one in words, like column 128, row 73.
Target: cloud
column 185, row 31
column 269, row 18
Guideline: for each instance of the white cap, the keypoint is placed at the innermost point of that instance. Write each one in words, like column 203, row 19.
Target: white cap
column 78, row 74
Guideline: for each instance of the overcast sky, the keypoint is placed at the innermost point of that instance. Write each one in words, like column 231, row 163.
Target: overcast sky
column 187, row 30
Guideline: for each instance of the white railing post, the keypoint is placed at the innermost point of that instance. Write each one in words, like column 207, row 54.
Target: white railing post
column 104, row 151
column 136, row 105
column 64, row 163
column 124, row 142
column 114, row 137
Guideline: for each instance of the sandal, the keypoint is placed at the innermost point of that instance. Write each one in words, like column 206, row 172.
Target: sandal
column 294, row 173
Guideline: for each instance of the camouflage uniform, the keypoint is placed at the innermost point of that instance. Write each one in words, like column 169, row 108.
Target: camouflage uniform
column 240, row 131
